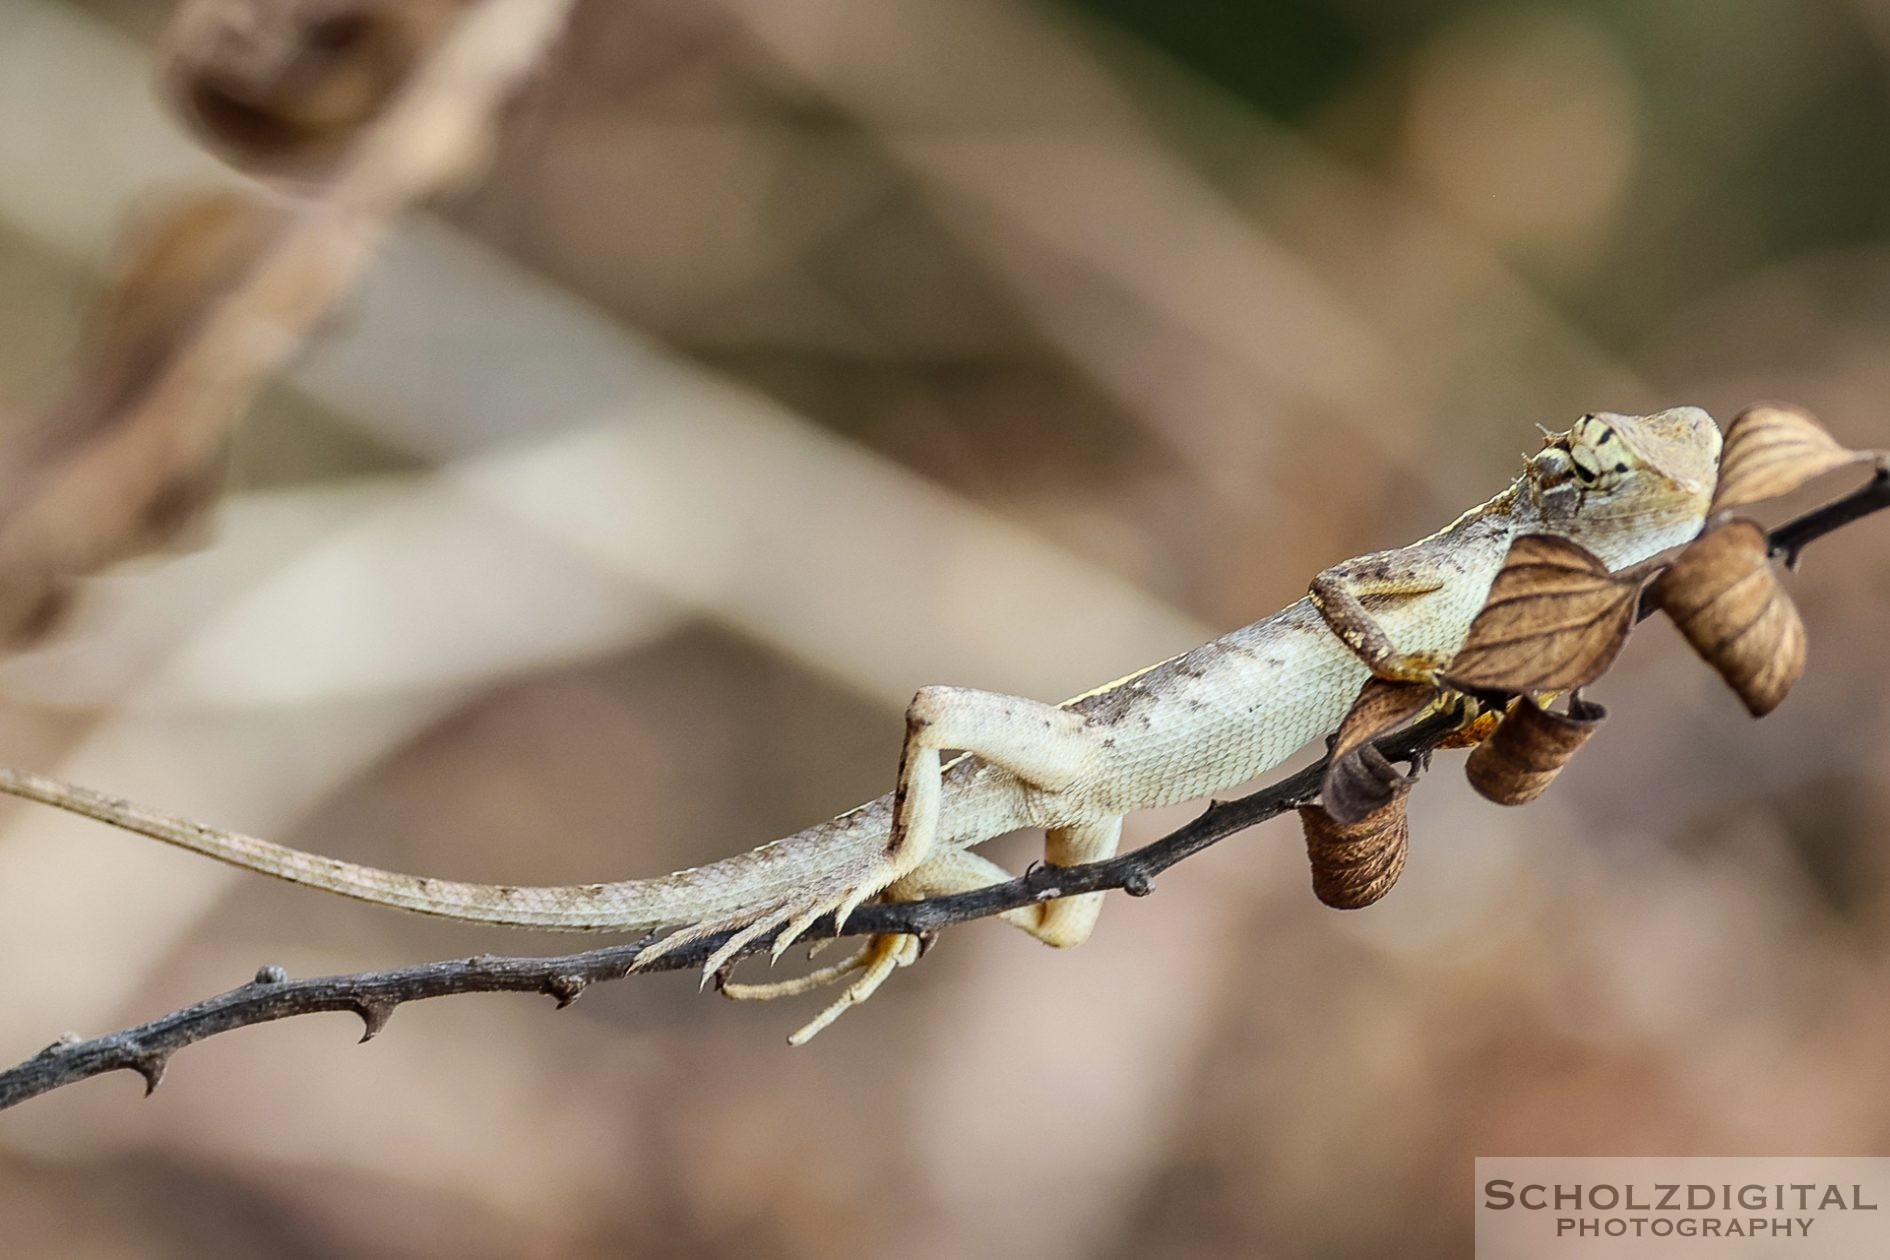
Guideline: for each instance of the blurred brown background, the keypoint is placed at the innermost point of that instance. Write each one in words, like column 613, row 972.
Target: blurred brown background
column 797, row 353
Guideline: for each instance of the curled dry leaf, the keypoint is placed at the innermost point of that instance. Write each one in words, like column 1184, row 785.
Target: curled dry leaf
column 1724, row 595
column 1380, row 706
column 1530, row 747
column 287, row 85
column 1358, row 779
column 1554, row 621
column 1355, row 864
column 1772, row 449
column 1365, row 781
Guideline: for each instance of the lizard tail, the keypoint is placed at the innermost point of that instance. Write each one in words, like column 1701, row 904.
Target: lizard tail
column 734, row 890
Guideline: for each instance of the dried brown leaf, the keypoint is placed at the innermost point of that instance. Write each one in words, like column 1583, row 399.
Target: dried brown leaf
column 1772, row 449
column 1723, row 593
column 1530, row 747
column 1554, row 621
column 1381, row 705
column 1358, row 779
column 1360, row 784
column 1355, row 864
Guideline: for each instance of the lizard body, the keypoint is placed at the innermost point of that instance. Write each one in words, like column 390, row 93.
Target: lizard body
column 1624, row 487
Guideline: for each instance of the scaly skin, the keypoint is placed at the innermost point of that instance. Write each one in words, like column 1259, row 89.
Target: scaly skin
column 1624, row 487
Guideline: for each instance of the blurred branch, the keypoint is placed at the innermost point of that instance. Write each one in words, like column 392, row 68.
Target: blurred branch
column 373, row 995
column 103, row 483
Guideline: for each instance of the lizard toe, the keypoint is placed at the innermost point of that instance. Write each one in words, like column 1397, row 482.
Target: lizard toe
column 882, row 956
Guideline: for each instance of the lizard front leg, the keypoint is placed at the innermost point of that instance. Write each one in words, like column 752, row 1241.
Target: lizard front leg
column 1064, row 922
column 1340, row 593
column 1068, row 921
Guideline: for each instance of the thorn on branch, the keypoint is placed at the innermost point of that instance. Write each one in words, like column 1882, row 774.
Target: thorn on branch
column 150, row 1065
column 374, row 1013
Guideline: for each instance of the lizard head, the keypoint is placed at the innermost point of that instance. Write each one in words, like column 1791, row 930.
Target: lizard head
column 1627, row 487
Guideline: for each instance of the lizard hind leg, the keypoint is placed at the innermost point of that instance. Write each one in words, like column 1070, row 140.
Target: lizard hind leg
column 1045, row 745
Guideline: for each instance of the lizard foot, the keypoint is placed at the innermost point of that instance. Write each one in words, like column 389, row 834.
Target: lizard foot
column 875, row 961
column 788, row 918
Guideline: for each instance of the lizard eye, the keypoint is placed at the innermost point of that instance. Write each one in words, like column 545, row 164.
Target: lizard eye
column 1597, row 455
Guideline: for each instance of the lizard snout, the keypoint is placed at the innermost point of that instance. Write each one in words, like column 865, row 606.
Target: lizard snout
column 1551, row 466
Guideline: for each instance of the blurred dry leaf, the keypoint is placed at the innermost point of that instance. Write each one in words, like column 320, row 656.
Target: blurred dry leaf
column 1555, row 620
column 1358, row 779
column 1772, row 449
column 103, row 443
column 1355, row 864
column 1724, row 594
column 1530, row 747
column 221, row 298
column 287, row 85
column 175, row 263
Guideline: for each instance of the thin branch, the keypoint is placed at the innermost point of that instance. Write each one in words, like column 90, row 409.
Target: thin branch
column 373, row 995
column 1790, row 539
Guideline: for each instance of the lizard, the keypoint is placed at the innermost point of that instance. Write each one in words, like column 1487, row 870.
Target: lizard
column 1626, row 488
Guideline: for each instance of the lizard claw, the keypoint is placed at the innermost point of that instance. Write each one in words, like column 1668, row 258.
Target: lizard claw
column 881, row 957
column 875, row 961
column 810, row 911
column 788, row 919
